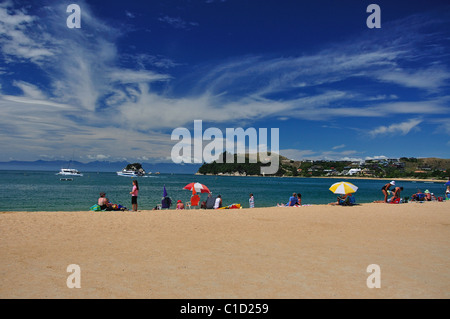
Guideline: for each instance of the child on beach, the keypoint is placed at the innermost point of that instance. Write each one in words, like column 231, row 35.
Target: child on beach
column 180, row 204
column 134, row 194
column 251, row 201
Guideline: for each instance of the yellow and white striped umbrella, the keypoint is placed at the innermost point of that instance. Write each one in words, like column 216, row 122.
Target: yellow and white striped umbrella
column 343, row 188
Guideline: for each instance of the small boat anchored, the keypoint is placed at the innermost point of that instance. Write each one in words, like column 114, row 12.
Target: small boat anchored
column 132, row 170
column 130, row 173
column 69, row 172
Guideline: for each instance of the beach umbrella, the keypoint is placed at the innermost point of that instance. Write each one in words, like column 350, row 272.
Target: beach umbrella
column 197, row 187
column 164, row 191
column 343, row 188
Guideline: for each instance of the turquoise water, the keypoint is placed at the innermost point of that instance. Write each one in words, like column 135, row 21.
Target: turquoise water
column 41, row 190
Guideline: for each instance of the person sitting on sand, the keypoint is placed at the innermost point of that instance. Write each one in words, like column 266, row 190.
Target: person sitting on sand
column 396, row 191
column 218, row 202
column 385, row 189
column 103, row 202
column 419, row 196
column 293, row 201
column 344, row 200
column 299, row 199
column 180, row 204
column 427, row 195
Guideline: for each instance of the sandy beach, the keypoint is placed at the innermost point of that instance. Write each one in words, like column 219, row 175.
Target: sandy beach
column 315, row 251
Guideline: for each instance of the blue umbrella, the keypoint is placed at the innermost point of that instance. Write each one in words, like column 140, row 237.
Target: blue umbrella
column 164, row 192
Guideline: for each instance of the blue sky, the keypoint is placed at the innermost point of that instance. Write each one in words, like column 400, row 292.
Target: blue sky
column 117, row 87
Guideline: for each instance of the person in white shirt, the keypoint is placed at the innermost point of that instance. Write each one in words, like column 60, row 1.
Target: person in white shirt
column 218, row 202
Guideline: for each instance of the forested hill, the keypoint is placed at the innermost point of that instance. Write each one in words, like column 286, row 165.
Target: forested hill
column 382, row 168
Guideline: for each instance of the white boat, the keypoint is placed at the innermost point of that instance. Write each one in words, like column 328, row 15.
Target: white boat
column 130, row 173
column 69, row 172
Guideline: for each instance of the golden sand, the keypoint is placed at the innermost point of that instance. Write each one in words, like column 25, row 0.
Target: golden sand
column 315, row 251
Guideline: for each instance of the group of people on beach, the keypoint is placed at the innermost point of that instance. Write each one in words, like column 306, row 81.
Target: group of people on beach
column 210, row 203
column 105, row 204
column 391, row 189
column 395, row 192
column 294, row 201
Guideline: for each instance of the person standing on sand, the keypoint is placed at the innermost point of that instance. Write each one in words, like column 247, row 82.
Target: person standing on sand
column 385, row 189
column 251, row 201
column 447, row 191
column 134, row 195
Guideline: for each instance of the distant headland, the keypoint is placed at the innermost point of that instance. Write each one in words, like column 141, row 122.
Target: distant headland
column 400, row 168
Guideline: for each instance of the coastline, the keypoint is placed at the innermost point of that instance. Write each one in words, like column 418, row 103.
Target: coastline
column 344, row 177
column 317, row 251
column 406, row 179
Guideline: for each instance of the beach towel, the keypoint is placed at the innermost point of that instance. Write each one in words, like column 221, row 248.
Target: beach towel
column 95, row 208
column 232, row 206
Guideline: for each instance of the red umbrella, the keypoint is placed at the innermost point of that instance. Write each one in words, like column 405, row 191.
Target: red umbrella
column 197, row 187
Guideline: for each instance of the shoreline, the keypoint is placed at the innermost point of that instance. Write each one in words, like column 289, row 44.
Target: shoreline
column 318, row 251
column 150, row 211
column 358, row 204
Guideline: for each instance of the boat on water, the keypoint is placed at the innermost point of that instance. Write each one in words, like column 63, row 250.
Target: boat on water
column 69, row 172
column 130, row 173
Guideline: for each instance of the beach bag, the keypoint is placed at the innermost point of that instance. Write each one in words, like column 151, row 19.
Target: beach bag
column 440, row 199
column 95, row 208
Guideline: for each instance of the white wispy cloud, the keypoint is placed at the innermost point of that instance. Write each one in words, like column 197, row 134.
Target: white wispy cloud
column 398, row 128
column 15, row 41
column 432, row 78
column 338, row 146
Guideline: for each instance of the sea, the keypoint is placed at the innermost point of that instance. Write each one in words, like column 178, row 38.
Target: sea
column 45, row 191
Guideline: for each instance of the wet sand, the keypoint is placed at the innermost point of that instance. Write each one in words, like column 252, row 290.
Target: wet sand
column 317, row 251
